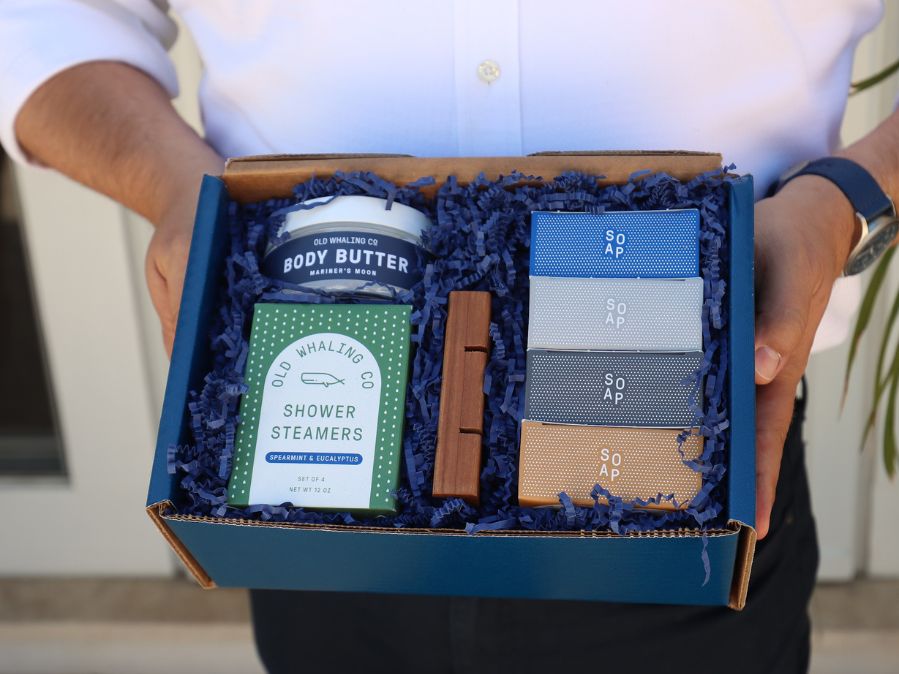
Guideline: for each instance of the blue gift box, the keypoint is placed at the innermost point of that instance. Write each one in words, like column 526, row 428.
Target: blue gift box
column 660, row 567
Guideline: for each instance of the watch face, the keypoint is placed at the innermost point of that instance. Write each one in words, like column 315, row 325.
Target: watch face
column 873, row 248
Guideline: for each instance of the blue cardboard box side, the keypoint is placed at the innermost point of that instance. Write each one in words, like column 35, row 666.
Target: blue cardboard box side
column 655, row 569
column 741, row 370
column 741, row 381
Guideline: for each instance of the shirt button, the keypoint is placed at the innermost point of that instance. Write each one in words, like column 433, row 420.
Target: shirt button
column 488, row 71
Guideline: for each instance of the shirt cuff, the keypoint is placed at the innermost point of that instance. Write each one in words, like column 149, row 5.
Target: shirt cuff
column 42, row 38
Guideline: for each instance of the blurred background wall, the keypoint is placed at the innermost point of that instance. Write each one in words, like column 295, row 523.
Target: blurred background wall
column 854, row 502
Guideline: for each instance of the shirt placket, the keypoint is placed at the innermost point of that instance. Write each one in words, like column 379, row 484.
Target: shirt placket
column 488, row 102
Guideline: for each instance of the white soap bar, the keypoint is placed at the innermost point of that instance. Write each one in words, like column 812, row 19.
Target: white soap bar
column 615, row 314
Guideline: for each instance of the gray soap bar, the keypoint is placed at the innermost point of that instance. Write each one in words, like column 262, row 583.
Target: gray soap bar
column 615, row 314
column 608, row 388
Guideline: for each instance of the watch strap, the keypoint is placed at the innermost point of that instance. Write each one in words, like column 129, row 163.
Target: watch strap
column 859, row 186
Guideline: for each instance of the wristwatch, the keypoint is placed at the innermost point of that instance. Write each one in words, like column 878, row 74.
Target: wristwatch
column 874, row 209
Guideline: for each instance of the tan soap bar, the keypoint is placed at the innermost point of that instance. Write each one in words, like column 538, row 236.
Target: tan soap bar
column 629, row 462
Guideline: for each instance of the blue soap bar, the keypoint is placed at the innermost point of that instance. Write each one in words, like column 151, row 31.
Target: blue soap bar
column 617, row 244
column 613, row 388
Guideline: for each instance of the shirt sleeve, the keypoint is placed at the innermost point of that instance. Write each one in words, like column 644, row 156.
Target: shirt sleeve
column 40, row 38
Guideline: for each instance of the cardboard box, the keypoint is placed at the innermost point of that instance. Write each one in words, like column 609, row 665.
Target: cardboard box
column 657, row 567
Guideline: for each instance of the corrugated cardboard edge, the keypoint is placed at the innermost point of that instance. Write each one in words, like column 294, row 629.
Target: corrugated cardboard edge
column 261, row 177
column 156, row 512
column 739, row 587
column 420, row 531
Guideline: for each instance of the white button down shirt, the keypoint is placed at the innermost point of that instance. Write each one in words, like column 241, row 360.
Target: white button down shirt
column 762, row 82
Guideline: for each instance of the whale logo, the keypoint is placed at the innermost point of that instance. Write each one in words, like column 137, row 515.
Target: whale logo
column 320, row 379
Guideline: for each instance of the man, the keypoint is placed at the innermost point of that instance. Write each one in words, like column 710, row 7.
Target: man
column 85, row 89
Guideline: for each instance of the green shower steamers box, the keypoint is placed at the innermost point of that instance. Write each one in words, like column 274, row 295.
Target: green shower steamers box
column 322, row 419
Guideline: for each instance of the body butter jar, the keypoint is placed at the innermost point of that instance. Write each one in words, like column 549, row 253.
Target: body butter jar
column 349, row 245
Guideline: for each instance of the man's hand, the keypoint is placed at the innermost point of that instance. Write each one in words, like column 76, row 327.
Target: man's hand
column 802, row 239
column 167, row 253
column 113, row 128
column 804, row 235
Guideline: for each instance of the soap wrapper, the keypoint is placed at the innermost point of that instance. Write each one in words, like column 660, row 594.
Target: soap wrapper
column 322, row 417
column 611, row 388
column 642, row 465
column 619, row 244
column 615, row 314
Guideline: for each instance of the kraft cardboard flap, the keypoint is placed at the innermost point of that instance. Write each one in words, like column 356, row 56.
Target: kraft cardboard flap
column 739, row 587
column 157, row 513
column 263, row 177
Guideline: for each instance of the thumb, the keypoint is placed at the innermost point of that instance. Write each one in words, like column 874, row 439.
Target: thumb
column 174, row 289
column 782, row 320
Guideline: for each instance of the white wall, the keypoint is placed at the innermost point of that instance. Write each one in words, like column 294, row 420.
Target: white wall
column 854, row 503
column 108, row 370
column 880, row 551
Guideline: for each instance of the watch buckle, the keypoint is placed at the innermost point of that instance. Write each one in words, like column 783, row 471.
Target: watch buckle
column 864, row 230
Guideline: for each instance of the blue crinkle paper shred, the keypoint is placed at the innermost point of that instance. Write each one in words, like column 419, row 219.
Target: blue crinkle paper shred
column 479, row 241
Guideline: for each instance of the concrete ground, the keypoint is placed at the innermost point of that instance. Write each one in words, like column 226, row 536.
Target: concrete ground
column 856, row 628
column 120, row 626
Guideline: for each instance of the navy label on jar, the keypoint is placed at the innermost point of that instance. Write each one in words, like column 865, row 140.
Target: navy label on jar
column 361, row 256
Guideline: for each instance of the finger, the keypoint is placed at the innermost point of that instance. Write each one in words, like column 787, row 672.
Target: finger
column 774, row 412
column 159, row 290
column 783, row 319
column 169, row 324
column 168, row 340
column 175, row 273
column 157, row 286
column 176, row 269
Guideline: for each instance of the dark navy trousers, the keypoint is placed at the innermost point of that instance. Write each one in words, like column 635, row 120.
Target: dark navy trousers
column 338, row 632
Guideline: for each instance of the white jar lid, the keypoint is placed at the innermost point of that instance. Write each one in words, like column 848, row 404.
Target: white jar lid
column 353, row 209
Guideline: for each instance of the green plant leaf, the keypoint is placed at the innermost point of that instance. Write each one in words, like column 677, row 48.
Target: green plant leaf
column 889, row 430
column 885, row 340
column 880, row 386
column 881, row 378
column 864, row 313
column 876, row 78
